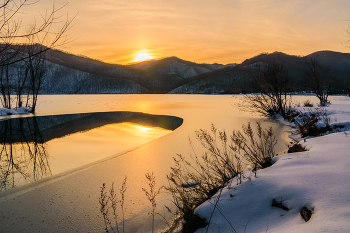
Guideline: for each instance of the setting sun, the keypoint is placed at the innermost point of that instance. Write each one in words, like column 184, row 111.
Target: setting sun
column 142, row 56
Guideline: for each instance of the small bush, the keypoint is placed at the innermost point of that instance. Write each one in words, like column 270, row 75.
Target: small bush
column 315, row 123
column 307, row 103
column 291, row 114
column 266, row 105
column 306, row 125
column 324, row 103
column 109, row 201
column 255, row 147
column 151, row 193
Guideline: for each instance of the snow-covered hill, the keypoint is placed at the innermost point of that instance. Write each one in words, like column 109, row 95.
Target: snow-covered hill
column 63, row 80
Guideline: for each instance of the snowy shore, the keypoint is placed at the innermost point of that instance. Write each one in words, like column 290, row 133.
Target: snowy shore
column 14, row 111
column 318, row 179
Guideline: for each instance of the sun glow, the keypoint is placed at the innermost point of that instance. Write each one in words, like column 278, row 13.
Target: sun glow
column 142, row 56
column 142, row 128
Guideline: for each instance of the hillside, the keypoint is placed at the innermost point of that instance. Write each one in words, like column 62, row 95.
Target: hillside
column 155, row 76
column 73, row 74
column 234, row 80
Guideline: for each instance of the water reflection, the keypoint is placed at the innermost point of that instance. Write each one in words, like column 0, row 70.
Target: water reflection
column 24, row 157
column 23, row 154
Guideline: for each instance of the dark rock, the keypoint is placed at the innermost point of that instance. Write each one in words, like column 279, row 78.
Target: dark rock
column 305, row 213
column 296, row 148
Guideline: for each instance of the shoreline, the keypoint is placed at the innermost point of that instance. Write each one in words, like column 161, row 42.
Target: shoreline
column 300, row 179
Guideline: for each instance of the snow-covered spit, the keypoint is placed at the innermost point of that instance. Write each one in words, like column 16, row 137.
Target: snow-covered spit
column 14, row 111
column 318, row 179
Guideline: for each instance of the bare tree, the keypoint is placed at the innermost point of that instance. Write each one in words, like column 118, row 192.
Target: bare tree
column 271, row 85
column 6, row 86
column 318, row 79
column 22, row 50
column 36, row 69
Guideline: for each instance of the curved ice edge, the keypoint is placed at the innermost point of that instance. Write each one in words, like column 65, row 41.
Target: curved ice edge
column 56, row 126
column 16, row 191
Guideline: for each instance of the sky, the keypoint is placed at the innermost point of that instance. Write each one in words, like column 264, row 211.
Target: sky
column 203, row 31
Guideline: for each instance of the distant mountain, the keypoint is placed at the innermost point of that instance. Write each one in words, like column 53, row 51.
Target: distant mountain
column 234, row 80
column 72, row 74
column 155, row 76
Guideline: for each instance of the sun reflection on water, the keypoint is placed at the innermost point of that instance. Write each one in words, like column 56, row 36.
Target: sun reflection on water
column 145, row 128
column 142, row 128
column 86, row 147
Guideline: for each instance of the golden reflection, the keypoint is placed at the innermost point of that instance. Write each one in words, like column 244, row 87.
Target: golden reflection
column 86, row 147
column 142, row 128
column 145, row 128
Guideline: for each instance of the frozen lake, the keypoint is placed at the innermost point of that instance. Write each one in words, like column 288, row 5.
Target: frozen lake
column 81, row 162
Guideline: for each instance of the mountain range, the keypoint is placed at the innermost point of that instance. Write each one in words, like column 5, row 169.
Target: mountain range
column 73, row 74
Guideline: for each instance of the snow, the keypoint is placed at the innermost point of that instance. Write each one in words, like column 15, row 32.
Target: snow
column 318, row 179
column 14, row 111
column 189, row 184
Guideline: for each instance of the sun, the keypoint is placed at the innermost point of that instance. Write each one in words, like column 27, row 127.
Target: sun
column 142, row 56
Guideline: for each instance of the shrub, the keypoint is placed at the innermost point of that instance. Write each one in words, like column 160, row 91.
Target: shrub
column 307, row 103
column 267, row 105
column 255, row 147
column 110, row 201
column 314, row 122
column 195, row 180
column 151, row 194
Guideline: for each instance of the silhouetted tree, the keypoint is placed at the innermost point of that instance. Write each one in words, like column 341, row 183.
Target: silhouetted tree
column 318, row 79
column 271, row 85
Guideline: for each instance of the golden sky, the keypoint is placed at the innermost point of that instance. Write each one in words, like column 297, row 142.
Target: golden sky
column 204, row 31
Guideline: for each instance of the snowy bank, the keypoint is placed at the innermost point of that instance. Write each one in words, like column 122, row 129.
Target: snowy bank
column 14, row 111
column 318, row 179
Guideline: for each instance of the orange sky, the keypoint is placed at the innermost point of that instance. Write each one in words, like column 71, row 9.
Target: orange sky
column 222, row 31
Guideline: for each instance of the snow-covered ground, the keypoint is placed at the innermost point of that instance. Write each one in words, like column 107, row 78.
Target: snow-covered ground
column 318, row 179
column 14, row 111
